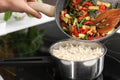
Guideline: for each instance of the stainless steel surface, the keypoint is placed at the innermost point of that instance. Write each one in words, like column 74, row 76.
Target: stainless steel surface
column 83, row 70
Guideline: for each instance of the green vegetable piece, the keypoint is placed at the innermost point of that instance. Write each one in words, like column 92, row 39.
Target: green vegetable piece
column 29, row 15
column 92, row 13
column 67, row 3
column 78, row 26
column 92, row 1
column 65, row 29
column 39, row 0
column 7, row 15
column 86, row 36
column 82, row 21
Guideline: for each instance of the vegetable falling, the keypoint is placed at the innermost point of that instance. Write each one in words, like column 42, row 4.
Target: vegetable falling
column 77, row 18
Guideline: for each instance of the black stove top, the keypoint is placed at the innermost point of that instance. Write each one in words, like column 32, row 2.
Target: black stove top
column 30, row 68
column 111, row 69
column 111, row 72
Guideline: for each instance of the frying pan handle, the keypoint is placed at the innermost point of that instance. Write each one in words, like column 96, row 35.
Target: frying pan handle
column 47, row 9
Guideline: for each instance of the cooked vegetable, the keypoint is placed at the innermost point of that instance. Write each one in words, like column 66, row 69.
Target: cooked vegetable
column 107, row 4
column 102, row 8
column 7, row 15
column 77, row 18
column 76, row 2
column 93, row 7
column 87, row 4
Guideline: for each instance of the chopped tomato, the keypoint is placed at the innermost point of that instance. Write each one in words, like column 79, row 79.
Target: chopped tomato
column 87, row 4
column 76, row 31
column 84, row 8
column 102, row 8
column 83, row 31
column 63, row 24
column 76, row 2
column 65, row 11
column 89, row 23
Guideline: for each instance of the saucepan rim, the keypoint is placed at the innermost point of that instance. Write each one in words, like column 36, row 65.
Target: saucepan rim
column 59, row 42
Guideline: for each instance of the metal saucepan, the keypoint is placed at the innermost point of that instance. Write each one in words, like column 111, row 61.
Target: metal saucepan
column 83, row 70
column 52, row 11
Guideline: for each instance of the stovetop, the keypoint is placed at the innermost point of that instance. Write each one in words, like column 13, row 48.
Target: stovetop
column 111, row 69
column 32, row 70
column 111, row 72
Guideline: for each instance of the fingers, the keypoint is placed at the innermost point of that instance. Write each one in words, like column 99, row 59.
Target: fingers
column 31, row 0
column 12, row 5
column 32, row 12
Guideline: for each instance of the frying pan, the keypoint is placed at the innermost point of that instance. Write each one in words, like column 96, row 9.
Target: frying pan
column 52, row 11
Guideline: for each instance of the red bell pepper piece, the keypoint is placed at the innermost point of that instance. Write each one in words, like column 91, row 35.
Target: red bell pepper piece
column 93, row 38
column 80, row 17
column 89, row 23
column 92, row 19
column 89, row 38
column 63, row 24
column 86, row 14
column 98, row 37
column 76, row 2
column 84, row 8
column 76, row 31
column 87, row 4
column 83, row 31
column 102, row 8
column 65, row 11
column 83, row 16
column 61, row 17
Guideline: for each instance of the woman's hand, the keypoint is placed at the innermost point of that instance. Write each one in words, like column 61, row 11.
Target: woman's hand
column 18, row 6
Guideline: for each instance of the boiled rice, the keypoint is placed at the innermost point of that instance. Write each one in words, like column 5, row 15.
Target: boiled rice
column 77, row 52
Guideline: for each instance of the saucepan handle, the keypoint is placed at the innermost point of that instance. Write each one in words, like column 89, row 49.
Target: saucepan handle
column 46, row 9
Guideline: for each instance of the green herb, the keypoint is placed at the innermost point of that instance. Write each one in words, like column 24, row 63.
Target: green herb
column 7, row 15
column 67, row 3
column 86, row 36
column 94, row 35
column 92, row 13
column 39, row 0
column 65, row 29
column 70, row 7
column 82, row 21
column 87, row 0
column 78, row 26
column 29, row 15
column 75, row 13
column 93, row 1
